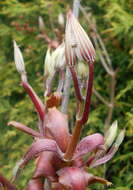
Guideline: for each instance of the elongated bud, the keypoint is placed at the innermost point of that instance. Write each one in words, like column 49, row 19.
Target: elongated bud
column 41, row 23
column 111, row 134
column 19, row 61
column 61, row 19
column 58, row 57
column 48, row 65
column 120, row 138
column 54, row 60
column 77, row 43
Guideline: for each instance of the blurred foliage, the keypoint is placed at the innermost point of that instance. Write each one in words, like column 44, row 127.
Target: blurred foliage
column 19, row 21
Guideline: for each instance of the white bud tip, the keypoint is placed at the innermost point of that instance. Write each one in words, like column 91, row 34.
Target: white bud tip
column 19, row 62
column 41, row 23
column 120, row 138
column 111, row 134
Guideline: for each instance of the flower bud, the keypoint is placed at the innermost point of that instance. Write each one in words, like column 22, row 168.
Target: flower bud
column 61, row 19
column 120, row 138
column 77, row 43
column 19, row 62
column 48, row 66
column 111, row 134
column 54, row 60
column 41, row 23
column 58, row 57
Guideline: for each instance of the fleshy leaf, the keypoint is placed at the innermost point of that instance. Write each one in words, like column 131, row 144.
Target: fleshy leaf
column 105, row 158
column 57, row 126
column 35, row 99
column 88, row 144
column 24, row 128
column 111, row 152
column 44, row 166
column 39, row 146
column 35, row 184
column 73, row 178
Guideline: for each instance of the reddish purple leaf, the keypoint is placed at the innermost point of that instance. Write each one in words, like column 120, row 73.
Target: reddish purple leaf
column 105, row 158
column 39, row 146
column 35, row 99
column 88, row 144
column 6, row 184
column 57, row 127
column 35, row 184
column 45, row 166
column 73, row 178
column 24, row 128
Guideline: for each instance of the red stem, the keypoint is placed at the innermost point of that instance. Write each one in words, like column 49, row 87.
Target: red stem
column 79, row 123
column 76, row 85
column 88, row 95
column 35, row 99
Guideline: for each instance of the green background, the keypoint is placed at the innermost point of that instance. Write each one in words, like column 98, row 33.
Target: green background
column 19, row 21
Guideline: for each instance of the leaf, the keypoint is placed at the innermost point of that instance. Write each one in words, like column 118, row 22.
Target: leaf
column 88, row 144
column 39, row 146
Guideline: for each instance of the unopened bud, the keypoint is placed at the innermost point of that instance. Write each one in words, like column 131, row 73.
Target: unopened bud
column 58, row 57
column 61, row 19
column 48, row 65
column 77, row 42
column 120, row 138
column 19, row 62
column 41, row 23
column 111, row 134
column 54, row 60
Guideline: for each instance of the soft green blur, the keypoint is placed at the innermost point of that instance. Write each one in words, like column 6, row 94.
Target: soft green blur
column 19, row 21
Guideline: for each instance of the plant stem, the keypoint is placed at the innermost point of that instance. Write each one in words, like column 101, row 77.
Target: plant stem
column 80, row 122
column 88, row 95
column 74, row 140
column 76, row 85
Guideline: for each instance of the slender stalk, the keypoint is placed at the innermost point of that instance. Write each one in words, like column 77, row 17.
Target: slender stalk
column 79, row 123
column 88, row 95
column 61, row 81
column 76, row 85
column 74, row 140
column 66, row 91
